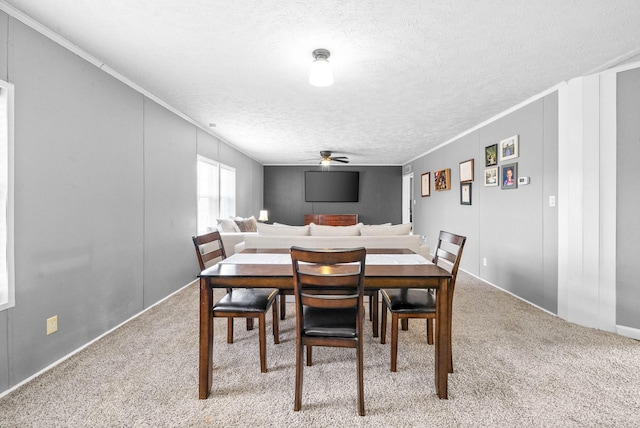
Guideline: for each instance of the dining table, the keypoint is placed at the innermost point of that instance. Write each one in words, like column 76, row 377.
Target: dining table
column 272, row 268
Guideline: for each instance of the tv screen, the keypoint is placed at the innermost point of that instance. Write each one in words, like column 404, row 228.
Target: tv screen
column 331, row 186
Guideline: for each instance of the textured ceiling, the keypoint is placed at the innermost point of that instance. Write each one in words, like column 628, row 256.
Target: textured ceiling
column 409, row 75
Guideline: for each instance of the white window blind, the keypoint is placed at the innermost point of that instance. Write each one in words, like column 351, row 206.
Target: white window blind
column 227, row 191
column 216, row 193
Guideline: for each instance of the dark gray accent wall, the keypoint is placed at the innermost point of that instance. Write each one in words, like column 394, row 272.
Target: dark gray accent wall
column 628, row 199
column 105, row 200
column 514, row 230
column 380, row 198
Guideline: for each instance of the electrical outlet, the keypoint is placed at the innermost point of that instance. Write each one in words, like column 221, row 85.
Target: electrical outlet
column 52, row 324
column 484, row 261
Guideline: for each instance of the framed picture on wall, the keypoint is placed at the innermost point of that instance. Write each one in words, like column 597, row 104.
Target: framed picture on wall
column 466, row 171
column 491, row 155
column 491, row 176
column 425, row 184
column 508, row 148
column 509, row 176
column 442, row 179
column 465, row 193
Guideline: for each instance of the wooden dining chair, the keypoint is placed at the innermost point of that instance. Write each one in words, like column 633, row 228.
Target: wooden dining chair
column 418, row 303
column 246, row 303
column 329, row 290
column 374, row 304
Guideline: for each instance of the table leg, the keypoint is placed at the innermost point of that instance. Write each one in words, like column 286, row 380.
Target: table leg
column 442, row 340
column 206, row 339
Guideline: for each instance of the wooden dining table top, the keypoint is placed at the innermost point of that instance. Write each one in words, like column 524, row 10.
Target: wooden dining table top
column 278, row 273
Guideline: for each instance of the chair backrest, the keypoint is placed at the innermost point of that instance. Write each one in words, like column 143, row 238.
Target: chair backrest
column 451, row 253
column 328, row 278
column 209, row 249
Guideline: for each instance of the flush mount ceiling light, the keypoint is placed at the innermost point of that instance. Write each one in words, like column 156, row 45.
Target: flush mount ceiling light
column 321, row 74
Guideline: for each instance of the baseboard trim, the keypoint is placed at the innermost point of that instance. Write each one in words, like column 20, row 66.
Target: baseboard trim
column 631, row 332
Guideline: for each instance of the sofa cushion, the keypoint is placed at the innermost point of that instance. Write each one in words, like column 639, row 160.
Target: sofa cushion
column 247, row 224
column 412, row 242
column 320, row 230
column 282, row 230
column 227, row 225
column 396, row 229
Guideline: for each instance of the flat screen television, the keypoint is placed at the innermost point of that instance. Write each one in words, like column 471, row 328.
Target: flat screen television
column 331, row 186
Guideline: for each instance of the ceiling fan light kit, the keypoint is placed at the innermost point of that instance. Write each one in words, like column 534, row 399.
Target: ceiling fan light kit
column 326, row 158
column 321, row 73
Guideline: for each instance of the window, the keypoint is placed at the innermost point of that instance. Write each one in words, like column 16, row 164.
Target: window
column 7, row 294
column 216, row 193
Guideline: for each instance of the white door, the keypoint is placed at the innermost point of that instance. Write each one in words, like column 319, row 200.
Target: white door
column 407, row 200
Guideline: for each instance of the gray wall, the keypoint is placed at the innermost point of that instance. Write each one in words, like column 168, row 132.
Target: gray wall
column 628, row 199
column 380, row 198
column 515, row 230
column 105, row 200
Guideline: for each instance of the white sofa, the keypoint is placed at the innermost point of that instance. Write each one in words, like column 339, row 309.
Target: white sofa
column 315, row 236
column 231, row 239
column 233, row 231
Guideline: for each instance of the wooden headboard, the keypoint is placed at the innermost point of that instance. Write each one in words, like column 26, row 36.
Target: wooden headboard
column 331, row 219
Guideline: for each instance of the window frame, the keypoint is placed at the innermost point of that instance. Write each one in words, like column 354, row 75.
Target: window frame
column 224, row 199
column 7, row 260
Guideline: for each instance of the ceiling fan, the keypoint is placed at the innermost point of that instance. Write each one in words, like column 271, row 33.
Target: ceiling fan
column 326, row 158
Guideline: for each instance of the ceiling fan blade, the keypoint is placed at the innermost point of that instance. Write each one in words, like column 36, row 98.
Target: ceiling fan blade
column 340, row 159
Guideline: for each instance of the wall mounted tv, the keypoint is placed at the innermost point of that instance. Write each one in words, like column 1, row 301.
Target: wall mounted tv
column 331, row 186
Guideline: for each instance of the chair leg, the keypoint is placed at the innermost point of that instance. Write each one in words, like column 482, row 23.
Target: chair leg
column 360, row 379
column 405, row 323
column 249, row 323
column 383, row 325
column 309, row 356
column 374, row 313
column 230, row 330
column 283, row 306
column 297, row 403
column 276, row 325
column 263, row 342
column 394, row 342
column 429, row 331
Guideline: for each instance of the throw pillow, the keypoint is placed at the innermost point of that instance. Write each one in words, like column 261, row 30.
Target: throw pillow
column 226, row 225
column 396, row 229
column 247, row 224
column 321, row 230
column 282, row 230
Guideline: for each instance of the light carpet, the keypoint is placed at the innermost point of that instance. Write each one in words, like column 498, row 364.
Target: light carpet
column 515, row 365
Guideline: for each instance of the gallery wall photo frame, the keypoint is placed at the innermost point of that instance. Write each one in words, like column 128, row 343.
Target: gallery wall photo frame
column 466, row 171
column 509, row 176
column 425, row 184
column 509, row 148
column 465, row 193
column 491, row 176
column 442, row 179
column 491, row 155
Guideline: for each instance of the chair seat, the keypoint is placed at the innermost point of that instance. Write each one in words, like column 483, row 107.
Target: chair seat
column 246, row 300
column 341, row 323
column 409, row 300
